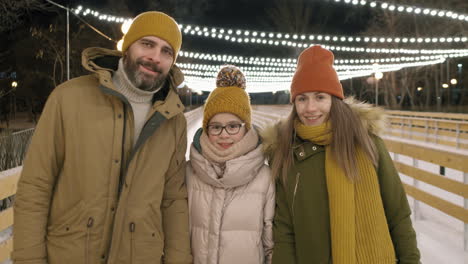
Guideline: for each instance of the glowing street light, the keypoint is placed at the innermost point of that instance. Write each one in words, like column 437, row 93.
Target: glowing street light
column 453, row 81
column 378, row 75
column 419, row 89
column 445, row 86
column 14, row 84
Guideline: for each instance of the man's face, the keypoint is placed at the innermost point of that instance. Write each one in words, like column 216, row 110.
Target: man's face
column 147, row 62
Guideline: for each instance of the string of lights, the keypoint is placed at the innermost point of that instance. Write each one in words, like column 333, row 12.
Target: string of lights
column 275, row 74
column 207, row 84
column 204, row 31
column 406, row 9
column 275, row 37
column 212, row 70
column 204, row 80
column 276, row 71
column 272, row 42
column 291, row 62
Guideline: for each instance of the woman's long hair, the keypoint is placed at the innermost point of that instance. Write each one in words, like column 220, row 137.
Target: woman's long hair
column 348, row 133
column 283, row 157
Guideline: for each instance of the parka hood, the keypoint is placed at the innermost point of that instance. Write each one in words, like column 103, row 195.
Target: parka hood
column 103, row 62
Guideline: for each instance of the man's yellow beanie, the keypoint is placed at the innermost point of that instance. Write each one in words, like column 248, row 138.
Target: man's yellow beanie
column 156, row 24
column 229, row 97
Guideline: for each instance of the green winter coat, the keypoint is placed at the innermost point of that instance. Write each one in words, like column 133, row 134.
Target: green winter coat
column 302, row 222
column 87, row 195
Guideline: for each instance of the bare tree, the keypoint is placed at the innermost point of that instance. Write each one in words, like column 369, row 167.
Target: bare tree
column 403, row 83
column 290, row 16
column 15, row 12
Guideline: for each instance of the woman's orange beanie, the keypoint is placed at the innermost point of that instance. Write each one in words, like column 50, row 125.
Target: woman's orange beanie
column 315, row 73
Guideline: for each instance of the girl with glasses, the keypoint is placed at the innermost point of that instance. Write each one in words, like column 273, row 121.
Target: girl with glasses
column 231, row 192
column 339, row 197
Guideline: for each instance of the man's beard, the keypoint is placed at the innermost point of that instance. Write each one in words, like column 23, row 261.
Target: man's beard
column 142, row 80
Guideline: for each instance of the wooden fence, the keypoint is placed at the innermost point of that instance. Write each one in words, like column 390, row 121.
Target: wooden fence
column 453, row 160
column 8, row 184
column 439, row 128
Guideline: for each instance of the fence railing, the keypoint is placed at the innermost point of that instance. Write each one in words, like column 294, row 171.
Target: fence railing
column 442, row 158
column 13, row 148
column 439, row 128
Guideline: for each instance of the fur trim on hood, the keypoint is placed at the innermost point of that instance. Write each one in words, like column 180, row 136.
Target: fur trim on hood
column 372, row 117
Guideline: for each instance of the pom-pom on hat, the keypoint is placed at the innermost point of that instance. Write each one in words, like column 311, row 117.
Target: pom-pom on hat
column 315, row 73
column 229, row 96
column 156, row 24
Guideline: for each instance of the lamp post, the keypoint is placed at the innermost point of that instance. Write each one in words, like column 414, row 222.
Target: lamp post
column 14, row 85
column 460, row 88
column 445, row 86
column 377, row 75
column 451, row 92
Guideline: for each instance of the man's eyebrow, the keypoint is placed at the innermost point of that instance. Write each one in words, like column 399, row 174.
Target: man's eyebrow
column 148, row 40
column 154, row 43
column 168, row 47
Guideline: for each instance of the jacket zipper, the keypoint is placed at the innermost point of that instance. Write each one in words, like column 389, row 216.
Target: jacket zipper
column 298, row 175
column 132, row 241
column 88, row 229
column 123, row 165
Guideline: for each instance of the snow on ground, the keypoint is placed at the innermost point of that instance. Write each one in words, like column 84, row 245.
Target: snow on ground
column 4, row 235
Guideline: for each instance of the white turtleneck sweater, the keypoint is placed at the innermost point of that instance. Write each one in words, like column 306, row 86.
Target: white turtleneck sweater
column 139, row 100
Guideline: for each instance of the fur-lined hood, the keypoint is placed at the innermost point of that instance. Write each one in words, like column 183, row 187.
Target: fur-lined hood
column 372, row 117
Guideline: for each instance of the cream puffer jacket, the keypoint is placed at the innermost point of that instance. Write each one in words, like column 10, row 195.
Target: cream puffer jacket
column 231, row 217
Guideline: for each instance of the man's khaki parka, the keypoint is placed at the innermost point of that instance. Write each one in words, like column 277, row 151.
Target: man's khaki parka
column 86, row 194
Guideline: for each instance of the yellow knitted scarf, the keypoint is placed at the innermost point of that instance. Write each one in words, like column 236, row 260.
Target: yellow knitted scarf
column 358, row 227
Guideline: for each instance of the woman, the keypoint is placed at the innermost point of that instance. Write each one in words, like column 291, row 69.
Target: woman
column 231, row 192
column 339, row 198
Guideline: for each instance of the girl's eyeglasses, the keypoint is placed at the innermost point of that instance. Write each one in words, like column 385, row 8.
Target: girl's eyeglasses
column 231, row 129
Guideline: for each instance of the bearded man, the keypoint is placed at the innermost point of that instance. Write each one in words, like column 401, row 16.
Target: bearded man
column 104, row 177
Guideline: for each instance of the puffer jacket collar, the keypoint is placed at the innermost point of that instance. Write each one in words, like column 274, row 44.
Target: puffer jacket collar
column 238, row 171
